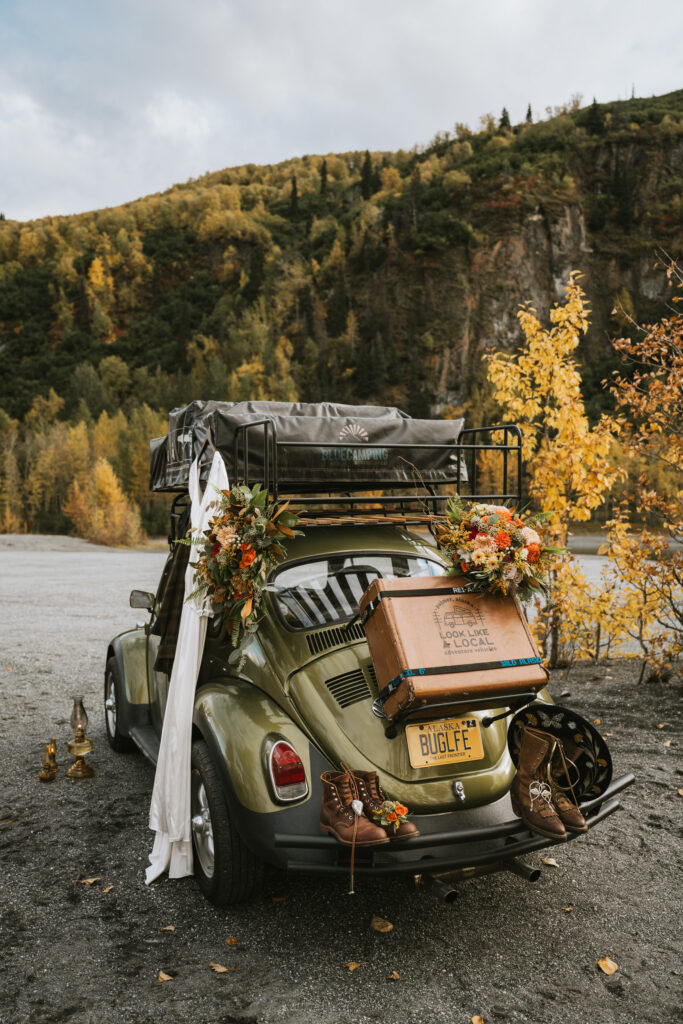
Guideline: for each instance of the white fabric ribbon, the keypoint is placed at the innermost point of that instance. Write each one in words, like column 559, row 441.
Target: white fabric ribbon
column 169, row 814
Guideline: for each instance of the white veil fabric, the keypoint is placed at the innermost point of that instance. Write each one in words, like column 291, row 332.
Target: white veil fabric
column 169, row 814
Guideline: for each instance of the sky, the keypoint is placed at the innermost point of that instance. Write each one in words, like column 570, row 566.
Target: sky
column 102, row 102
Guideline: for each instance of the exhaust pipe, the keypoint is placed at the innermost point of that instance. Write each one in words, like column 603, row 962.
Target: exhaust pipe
column 518, row 867
column 445, row 890
column 445, row 883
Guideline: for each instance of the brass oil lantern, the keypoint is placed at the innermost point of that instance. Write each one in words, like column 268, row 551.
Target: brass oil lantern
column 81, row 744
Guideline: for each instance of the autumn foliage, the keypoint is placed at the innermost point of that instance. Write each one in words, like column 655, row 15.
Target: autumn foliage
column 568, row 461
column 100, row 510
column 637, row 610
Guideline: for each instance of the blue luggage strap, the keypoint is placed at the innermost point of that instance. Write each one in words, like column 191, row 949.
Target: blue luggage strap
column 437, row 670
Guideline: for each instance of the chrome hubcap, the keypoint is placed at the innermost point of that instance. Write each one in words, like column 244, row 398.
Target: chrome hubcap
column 202, row 830
column 110, row 705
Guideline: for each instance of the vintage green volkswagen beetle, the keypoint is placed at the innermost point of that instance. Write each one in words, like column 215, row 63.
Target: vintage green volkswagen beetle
column 302, row 703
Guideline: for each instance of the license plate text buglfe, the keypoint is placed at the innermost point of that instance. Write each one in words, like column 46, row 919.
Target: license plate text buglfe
column 444, row 742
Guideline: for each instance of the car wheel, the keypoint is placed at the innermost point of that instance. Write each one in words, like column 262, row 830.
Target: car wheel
column 113, row 694
column 227, row 872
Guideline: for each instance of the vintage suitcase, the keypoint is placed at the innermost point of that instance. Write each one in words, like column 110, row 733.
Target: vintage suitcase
column 433, row 642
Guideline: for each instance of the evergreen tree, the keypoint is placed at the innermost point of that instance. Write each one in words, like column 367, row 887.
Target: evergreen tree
column 366, row 176
column 595, row 121
column 529, row 116
column 504, row 119
column 323, row 178
column 294, row 198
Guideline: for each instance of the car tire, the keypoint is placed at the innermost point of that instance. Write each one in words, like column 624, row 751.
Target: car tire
column 227, row 872
column 113, row 697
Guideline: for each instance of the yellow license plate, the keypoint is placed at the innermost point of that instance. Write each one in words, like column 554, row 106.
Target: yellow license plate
column 444, row 742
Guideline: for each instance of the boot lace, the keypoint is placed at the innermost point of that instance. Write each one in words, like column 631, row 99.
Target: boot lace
column 541, row 791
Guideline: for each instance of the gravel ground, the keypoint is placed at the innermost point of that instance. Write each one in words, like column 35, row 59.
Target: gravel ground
column 506, row 949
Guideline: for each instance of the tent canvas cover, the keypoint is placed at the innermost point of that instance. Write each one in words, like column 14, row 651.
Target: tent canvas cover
column 313, row 448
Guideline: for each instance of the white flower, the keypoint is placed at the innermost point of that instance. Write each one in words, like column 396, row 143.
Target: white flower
column 530, row 536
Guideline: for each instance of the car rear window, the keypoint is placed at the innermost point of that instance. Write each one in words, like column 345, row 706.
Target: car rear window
column 327, row 590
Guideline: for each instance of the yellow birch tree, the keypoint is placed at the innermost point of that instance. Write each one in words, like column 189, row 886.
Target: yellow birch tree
column 567, row 460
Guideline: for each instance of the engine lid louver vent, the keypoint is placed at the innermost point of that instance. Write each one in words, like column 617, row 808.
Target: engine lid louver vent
column 335, row 636
column 349, row 688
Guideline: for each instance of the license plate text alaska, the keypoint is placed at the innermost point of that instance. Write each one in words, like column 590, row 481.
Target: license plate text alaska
column 444, row 742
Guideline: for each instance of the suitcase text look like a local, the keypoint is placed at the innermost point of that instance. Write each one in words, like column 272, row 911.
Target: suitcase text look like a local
column 434, row 642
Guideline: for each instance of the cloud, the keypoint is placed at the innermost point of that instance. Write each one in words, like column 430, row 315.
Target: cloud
column 173, row 117
column 104, row 102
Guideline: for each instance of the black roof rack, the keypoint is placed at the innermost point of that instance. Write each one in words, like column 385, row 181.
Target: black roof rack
column 421, row 505
column 373, row 463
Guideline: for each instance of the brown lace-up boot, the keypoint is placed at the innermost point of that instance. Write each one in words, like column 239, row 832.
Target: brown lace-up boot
column 370, row 792
column 530, row 791
column 338, row 817
column 562, row 768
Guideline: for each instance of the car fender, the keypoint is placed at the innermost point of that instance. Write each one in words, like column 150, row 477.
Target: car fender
column 130, row 651
column 235, row 718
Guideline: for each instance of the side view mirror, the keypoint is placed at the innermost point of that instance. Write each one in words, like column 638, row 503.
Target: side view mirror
column 141, row 599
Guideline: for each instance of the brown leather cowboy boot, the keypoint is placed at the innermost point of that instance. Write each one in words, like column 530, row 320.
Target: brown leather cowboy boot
column 561, row 787
column 530, row 791
column 337, row 816
column 370, row 792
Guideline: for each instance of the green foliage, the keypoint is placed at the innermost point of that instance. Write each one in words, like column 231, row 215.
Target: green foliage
column 359, row 276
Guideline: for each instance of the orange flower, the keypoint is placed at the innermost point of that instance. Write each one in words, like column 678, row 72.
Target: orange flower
column 248, row 556
column 391, row 816
column 464, row 566
column 533, row 552
column 400, row 809
column 503, row 540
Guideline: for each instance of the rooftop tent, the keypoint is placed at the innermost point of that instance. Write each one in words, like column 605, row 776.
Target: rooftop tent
column 309, row 448
column 187, row 427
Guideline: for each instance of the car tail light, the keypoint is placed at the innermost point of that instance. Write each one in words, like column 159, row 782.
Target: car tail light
column 287, row 772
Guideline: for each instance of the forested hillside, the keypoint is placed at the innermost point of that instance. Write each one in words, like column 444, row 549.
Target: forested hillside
column 357, row 276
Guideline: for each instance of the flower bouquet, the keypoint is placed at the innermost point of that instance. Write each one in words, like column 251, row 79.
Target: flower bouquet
column 391, row 814
column 494, row 549
column 242, row 544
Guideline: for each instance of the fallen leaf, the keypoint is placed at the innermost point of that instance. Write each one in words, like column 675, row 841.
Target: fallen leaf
column 163, row 976
column 596, row 721
column 477, row 1019
column 394, row 976
column 607, row 965
column 551, row 862
column 9, row 668
column 108, row 888
column 232, row 941
column 168, row 928
column 680, row 792
column 91, row 881
column 661, row 725
column 666, row 743
column 607, row 734
column 380, row 925
column 280, row 899
column 218, row 968
column 352, row 965
column 567, row 910
column 10, row 821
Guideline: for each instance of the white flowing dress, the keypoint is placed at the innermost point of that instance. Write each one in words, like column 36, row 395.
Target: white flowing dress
column 169, row 814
